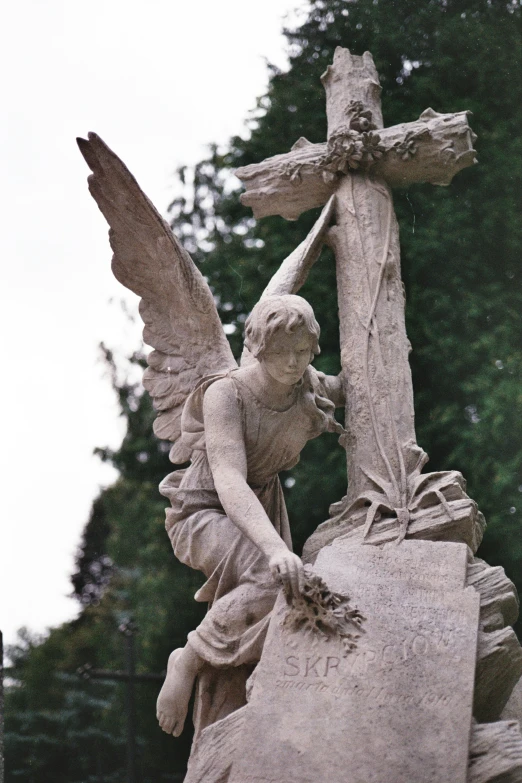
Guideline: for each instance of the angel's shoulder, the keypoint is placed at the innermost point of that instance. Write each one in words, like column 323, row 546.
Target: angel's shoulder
column 221, row 397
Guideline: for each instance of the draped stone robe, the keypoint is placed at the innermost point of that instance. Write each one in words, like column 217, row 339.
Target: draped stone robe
column 240, row 588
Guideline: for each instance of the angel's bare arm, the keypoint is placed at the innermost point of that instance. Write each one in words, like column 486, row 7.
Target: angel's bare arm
column 227, row 459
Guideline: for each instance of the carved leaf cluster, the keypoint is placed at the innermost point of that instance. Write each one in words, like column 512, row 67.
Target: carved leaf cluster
column 319, row 610
column 423, row 490
column 407, row 147
column 361, row 119
column 349, row 150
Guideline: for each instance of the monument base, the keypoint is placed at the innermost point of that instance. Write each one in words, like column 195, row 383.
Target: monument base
column 398, row 707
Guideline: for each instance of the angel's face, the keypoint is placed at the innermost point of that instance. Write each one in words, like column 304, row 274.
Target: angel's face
column 287, row 356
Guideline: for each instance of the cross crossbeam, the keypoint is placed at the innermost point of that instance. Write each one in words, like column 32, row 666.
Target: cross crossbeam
column 431, row 149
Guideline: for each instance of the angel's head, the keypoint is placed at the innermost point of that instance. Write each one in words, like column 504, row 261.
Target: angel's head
column 282, row 334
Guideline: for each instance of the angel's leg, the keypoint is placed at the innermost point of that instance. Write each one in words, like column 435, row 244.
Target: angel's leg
column 241, row 591
column 172, row 705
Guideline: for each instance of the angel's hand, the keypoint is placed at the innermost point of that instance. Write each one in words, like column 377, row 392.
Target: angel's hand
column 334, row 385
column 288, row 569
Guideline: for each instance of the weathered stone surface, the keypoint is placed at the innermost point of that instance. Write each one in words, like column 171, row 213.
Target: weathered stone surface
column 499, row 655
column 499, row 602
column 462, row 524
column 495, row 753
column 352, row 86
column 499, row 667
column 495, row 748
column 212, row 754
column 513, row 708
column 431, row 149
column 325, row 715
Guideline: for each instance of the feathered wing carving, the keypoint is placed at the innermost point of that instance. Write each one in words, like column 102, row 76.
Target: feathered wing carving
column 177, row 306
column 293, row 272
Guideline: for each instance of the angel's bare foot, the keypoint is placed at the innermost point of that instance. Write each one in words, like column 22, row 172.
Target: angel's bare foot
column 173, row 699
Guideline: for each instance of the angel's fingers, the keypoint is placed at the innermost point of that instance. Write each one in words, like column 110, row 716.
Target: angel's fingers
column 294, row 579
column 300, row 578
column 284, row 575
column 283, row 571
column 165, row 722
column 276, row 572
column 289, row 578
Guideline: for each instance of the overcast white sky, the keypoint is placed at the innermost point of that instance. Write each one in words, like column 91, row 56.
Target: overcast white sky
column 158, row 80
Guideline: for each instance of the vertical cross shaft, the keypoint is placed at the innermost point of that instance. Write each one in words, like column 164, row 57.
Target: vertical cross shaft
column 374, row 346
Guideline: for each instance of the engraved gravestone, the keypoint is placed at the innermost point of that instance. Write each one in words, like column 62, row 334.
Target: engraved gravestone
column 326, row 714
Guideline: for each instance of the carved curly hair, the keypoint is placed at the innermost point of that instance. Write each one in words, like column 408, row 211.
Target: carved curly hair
column 287, row 312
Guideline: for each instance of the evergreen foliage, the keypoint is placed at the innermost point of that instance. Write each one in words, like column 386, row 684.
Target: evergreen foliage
column 461, row 266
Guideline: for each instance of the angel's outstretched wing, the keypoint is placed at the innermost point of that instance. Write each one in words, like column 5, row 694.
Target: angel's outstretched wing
column 292, row 273
column 177, row 306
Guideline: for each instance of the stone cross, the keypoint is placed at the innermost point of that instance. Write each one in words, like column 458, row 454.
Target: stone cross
column 360, row 163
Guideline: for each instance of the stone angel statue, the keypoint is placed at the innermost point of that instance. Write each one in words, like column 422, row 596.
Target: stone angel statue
column 239, row 426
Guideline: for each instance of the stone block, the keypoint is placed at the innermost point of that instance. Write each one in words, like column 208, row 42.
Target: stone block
column 499, row 603
column 496, row 753
column 384, row 711
column 499, row 667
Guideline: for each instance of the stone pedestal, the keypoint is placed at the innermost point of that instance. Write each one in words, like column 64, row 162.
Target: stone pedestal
column 397, row 708
column 383, row 712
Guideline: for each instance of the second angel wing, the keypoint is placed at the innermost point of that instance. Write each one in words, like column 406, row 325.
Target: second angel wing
column 293, row 272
